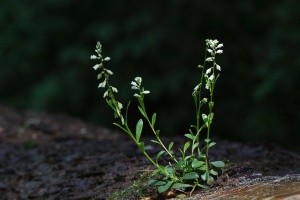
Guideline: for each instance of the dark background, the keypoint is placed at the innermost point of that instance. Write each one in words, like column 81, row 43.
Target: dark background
column 45, row 48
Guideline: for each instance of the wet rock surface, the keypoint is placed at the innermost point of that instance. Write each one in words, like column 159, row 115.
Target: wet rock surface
column 45, row 156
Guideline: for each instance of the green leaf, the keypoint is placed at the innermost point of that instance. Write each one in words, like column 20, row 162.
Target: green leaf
column 157, row 133
column 179, row 165
column 154, row 182
column 195, row 145
column 142, row 111
column 141, row 146
column 197, row 163
column 165, row 187
column 207, row 140
column 191, row 175
column 186, row 146
column 139, row 128
column 153, row 119
column 203, row 186
column 218, row 163
column 170, row 170
column 190, row 136
column 213, row 172
column 158, row 155
column 118, row 125
column 211, row 144
column 181, row 185
column 170, row 146
column 155, row 141
column 204, row 176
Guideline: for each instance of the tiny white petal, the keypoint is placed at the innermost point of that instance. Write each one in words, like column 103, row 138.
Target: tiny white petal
column 114, row 89
column 136, row 95
column 208, row 71
column 102, row 84
column 105, row 94
column 220, row 45
column 134, row 87
column 207, row 86
column 93, row 57
column 210, row 51
column 211, row 77
column 133, row 83
column 205, row 100
column 96, row 67
column 120, row 106
column 109, row 72
column 209, row 59
column 218, row 67
column 219, row 51
column 107, row 59
column 146, row 92
column 196, row 88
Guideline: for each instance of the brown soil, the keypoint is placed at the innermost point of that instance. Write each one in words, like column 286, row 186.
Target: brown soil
column 47, row 156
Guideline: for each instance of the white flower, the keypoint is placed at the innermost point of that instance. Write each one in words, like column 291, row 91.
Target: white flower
column 207, row 86
column 196, row 88
column 93, row 57
column 105, row 94
column 219, row 51
column 204, row 100
column 106, row 59
column 138, row 80
column 120, row 106
column 109, row 72
column 102, row 84
column 218, row 67
column 220, row 45
column 96, row 67
column 210, row 51
column 211, row 77
column 209, row 59
column 134, row 87
column 114, row 89
column 146, row 92
column 136, row 95
column 208, row 71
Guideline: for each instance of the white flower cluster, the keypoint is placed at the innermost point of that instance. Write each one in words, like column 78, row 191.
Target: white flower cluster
column 105, row 72
column 136, row 85
column 213, row 48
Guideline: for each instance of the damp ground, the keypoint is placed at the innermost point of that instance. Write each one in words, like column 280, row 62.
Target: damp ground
column 45, row 156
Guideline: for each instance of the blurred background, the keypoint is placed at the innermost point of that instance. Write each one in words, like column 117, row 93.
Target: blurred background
column 45, row 49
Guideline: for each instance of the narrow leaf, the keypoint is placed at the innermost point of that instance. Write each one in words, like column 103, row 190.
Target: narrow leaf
column 142, row 111
column 153, row 119
column 186, row 146
column 190, row 136
column 154, row 141
column 165, row 187
column 211, row 144
column 154, row 182
column 157, row 133
column 139, row 128
column 181, row 185
column 170, row 146
column 158, row 155
column 195, row 145
column 118, row 125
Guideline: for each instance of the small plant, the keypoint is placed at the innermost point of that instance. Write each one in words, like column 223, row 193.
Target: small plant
column 193, row 169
